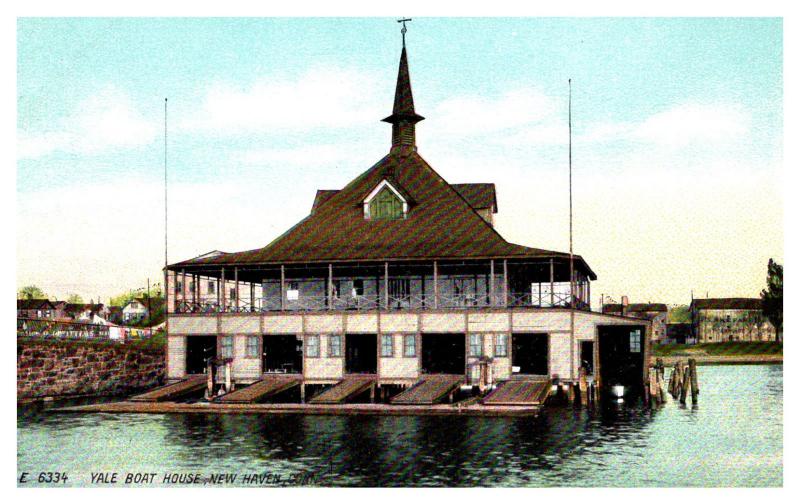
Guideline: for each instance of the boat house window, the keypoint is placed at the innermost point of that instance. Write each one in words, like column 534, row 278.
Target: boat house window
column 252, row 346
column 636, row 341
column 312, row 346
column 334, row 346
column 387, row 345
column 409, row 345
column 386, row 205
column 212, row 288
column 501, row 345
column 475, row 345
column 227, row 347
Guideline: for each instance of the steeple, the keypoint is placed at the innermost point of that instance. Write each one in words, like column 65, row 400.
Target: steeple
column 403, row 117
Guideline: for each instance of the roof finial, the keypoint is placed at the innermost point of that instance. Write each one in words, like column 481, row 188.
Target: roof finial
column 404, row 29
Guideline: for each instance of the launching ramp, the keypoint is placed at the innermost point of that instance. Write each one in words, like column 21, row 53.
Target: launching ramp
column 188, row 385
column 429, row 390
column 519, row 392
column 268, row 385
column 351, row 386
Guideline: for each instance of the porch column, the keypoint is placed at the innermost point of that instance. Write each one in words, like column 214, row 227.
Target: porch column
column 435, row 284
column 283, row 287
column 330, row 286
column 183, row 288
column 386, row 285
column 491, row 283
column 222, row 288
column 589, row 293
column 236, row 289
column 219, row 288
column 252, row 296
column 196, row 293
column 552, row 281
column 505, row 282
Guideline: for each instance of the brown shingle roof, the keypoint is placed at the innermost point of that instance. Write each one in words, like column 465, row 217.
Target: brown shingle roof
column 727, row 304
column 441, row 224
column 34, row 304
column 636, row 308
column 479, row 196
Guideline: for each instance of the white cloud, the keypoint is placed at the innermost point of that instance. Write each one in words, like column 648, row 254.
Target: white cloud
column 304, row 155
column 327, row 98
column 106, row 121
column 473, row 115
column 680, row 126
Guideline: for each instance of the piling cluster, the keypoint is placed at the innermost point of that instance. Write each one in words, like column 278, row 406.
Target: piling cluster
column 683, row 381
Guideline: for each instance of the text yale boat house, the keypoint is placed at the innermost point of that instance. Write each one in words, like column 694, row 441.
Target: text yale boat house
column 396, row 277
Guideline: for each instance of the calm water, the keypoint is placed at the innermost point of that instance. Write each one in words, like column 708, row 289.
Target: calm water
column 734, row 437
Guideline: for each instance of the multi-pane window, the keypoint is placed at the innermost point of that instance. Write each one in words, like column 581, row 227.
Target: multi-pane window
column 252, row 346
column 191, row 286
column 212, row 287
column 387, row 345
column 226, row 347
column 386, row 205
column 475, row 345
column 334, row 346
column 409, row 345
column 312, row 346
column 178, row 286
column 233, row 293
column 636, row 341
column 501, row 345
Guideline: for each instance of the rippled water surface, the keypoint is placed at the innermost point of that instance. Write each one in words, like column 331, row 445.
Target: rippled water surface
column 733, row 437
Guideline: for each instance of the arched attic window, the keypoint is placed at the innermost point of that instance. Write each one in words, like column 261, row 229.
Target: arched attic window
column 385, row 202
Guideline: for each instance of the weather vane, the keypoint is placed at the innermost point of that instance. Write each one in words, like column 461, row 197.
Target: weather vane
column 404, row 29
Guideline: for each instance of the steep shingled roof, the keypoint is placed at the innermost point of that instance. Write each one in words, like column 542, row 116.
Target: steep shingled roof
column 478, row 195
column 635, row 308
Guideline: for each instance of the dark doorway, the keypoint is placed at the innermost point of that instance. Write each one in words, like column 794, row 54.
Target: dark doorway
column 444, row 353
column 529, row 354
column 198, row 350
column 587, row 356
column 283, row 353
column 622, row 358
column 361, row 353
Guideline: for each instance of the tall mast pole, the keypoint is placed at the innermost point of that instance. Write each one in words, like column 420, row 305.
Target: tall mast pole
column 571, row 257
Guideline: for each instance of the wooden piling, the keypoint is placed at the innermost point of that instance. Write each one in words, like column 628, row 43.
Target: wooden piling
column 693, row 372
column 686, row 385
column 583, row 387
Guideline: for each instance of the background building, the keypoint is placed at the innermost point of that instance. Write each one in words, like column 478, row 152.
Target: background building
column 730, row 319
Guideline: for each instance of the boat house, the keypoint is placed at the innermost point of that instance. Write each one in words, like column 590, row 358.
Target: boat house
column 392, row 281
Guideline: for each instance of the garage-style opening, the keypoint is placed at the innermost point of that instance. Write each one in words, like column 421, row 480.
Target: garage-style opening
column 283, row 353
column 622, row 350
column 444, row 353
column 529, row 354
column 198, row 350
column 361, row 353
column 587, row 356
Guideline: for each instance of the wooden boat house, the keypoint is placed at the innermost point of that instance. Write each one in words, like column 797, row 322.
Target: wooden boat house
column 397, row 279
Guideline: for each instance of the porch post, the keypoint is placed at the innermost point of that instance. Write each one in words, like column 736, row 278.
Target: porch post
column 183, row 288
column 219, row 288
column 386, row 285
column 552, row 280
column 330, row 286
column 283, row 287
column 236, row 280
column 224, row 294
column 491, row 283
column 588, row 293
column 505, row 282
column 252, row 297
column 435, row 284
column 196, row 293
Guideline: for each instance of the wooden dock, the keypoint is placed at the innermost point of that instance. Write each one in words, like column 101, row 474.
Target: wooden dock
column 348, row 388
column 268, row 385
column 519, row 392
column 188, row 385
column 430, row 389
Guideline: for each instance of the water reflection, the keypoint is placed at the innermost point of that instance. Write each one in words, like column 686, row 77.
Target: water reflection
column 619, row 445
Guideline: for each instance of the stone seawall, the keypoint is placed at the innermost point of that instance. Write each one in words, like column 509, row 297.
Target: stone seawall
column 70, row 368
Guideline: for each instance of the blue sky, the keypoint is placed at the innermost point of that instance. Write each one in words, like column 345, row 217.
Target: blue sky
column 677, row 137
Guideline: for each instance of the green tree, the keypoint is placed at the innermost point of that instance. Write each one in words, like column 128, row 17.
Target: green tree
column 680, row 314
column 74, row 298
column 772, row 297
column 31, row 292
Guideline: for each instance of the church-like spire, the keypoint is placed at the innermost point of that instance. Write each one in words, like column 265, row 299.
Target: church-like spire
column 403, row 117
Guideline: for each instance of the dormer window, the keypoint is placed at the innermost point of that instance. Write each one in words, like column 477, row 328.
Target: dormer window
column 385, row 202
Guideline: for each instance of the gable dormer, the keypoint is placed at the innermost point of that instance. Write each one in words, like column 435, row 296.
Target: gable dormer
column 385, row 201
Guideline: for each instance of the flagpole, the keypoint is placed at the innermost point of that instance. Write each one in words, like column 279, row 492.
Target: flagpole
column 571, row 257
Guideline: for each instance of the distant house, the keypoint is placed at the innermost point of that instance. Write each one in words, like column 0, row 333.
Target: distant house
column 657, row 312
column 142, row 309
column 730, row 319
column 38, row 309
column 86, row 312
